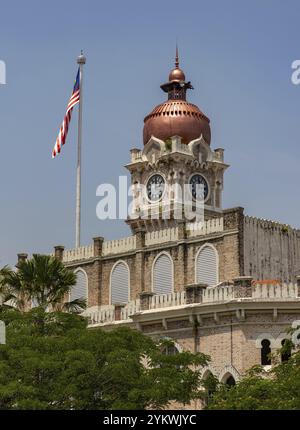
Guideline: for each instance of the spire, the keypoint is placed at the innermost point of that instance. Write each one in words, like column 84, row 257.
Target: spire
column 176, row 58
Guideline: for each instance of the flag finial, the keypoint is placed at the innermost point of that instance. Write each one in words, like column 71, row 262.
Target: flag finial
column 81, row 59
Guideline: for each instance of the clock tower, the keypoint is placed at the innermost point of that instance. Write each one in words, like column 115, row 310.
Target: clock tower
column 176, row 177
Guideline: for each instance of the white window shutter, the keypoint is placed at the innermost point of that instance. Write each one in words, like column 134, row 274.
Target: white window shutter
column 79, row 291
column 119, row 284
column 207, row 266
column 163, row 275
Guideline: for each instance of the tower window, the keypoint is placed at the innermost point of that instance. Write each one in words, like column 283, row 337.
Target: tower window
column 80, row 289
column 119, row 284
column 163, row 275
column 265, row 352
column 207, row 266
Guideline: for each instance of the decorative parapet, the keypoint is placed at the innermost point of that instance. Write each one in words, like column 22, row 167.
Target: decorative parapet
column 167, row 300
column 81, row 253
column 268, row 224
column 213, row 225
column 161, row 236
column 177, row 146
column 119, row 246
column 274, row 292
column 111, row 313
column 174, row 145
column 193, row 295
column 218, row 294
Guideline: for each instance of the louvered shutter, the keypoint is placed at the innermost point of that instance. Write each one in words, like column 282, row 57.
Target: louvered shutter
column 119, row 284
column 163, row 275
column 79, row 291
column 207, row 266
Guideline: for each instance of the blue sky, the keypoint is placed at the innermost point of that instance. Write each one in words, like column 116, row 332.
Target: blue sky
column 236, row 53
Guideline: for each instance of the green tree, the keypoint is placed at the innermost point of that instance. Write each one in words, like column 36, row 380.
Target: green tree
column 43, row 280
column 64, row 365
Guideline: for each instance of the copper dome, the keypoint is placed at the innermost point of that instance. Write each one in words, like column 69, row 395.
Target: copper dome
column 176, row 116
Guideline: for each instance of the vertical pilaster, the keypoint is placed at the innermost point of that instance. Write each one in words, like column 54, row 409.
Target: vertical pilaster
column 59, row 252
column 242, row 287
column 95, row 283
column 21, row 257
column 139, row 263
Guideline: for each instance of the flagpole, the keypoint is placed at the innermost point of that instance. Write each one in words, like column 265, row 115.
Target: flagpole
column 81, row 60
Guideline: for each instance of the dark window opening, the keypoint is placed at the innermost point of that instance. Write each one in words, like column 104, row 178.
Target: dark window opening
column 230, row 381
column 265, row 352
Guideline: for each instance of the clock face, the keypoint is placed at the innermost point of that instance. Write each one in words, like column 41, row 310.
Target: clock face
column 155, row 188
column 199, row 192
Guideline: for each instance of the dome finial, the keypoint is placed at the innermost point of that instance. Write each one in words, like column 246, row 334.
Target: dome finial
column 177, row 57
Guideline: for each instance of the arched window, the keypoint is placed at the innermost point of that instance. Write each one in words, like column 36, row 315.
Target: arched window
column 230, row 381
column 170, row 350
column 80, row 289
column 265, row 352
column 207, row 266
column 119, row 283
column 162, row 274
column 210, row 385
column 286, row 350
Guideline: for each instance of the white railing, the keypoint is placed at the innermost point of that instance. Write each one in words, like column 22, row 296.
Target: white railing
column 130, row 309
column 161, row 236
column 218, row 294
column 106, row 314
column 214, row 225
column 100, row 314
column 212, row 295
column 167, row 300
column 273, row 292
column 81, row 253
column 118, row 246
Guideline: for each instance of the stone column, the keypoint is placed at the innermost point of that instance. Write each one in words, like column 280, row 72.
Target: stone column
column 145, row 298
column 98, row 245
column 140, row 238
column 21, row 257
column 181, row 229
column 59, row 252
column 95, row 281
column 194, row 293
column 180, row 260
column 242, row 287
column 139, row 263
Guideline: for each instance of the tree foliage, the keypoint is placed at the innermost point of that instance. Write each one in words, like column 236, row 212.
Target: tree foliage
column 52, row 361
column 276, row 389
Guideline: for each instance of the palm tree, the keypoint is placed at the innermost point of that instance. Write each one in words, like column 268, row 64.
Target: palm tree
column 5, row 291
column 43, row 281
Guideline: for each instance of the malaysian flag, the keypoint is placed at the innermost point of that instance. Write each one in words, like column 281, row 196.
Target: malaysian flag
column 75, row 98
